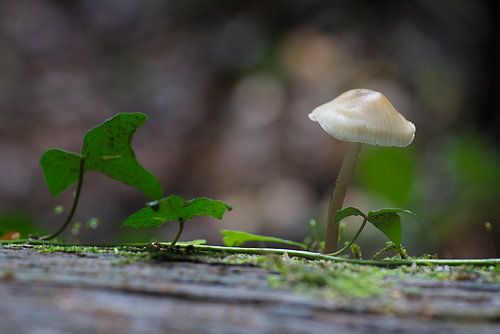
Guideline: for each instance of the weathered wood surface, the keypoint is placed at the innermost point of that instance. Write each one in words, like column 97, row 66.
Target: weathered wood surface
column 99, row 293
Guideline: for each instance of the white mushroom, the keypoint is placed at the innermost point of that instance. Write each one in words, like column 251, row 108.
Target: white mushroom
column 358, row 116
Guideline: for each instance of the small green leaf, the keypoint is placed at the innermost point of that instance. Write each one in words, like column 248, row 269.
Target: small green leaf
column 347, row 212
column 238, row 238
column 390, row 210
column 203, row 206
column 390, row 225
column 192, row 242
column 388, row 222
column 60, row 169
column 176, row 208
column 107, row 150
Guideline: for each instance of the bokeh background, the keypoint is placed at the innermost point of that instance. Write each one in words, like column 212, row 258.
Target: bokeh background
column 227, row 86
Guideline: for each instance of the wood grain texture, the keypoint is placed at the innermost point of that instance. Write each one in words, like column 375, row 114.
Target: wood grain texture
column 101, row 293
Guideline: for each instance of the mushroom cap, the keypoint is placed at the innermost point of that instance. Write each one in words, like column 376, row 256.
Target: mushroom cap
column 364, row 116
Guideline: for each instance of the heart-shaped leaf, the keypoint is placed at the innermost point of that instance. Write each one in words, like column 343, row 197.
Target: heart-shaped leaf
column 60, row 169
column 347, row 212
column 238, row 238
column 388, row 222
column 106, row 149
column 390, row 211
column 176, row 208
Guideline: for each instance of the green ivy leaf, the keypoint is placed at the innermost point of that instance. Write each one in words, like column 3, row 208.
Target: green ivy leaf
column 106, row 149
column 388, row 222
column 176, row 208
column 384, row 211
column 60, row 169
column 238, row 238
column 347, row 212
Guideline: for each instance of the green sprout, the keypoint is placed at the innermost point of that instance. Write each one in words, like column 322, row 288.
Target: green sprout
column 176, row 208
column 233, row 238
column 107, row 150
column 387, row 220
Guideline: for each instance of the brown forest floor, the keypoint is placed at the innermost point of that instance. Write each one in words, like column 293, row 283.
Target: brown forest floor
column 88, row 292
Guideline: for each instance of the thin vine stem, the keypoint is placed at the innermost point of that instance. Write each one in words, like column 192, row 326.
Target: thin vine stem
column 352, row 241
column 81, row 172
column 317, row 256
column 275, row 251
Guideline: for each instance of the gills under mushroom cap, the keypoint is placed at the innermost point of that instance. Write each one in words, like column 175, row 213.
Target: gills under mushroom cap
column 364, row 116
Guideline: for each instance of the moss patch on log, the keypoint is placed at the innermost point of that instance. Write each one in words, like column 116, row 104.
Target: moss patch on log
column 323, row 279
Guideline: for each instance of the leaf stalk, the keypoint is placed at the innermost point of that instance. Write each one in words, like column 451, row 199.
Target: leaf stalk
column 365, row 220
column 71, row 213
column 181, row 227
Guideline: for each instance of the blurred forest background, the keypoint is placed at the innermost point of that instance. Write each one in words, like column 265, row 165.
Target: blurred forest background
column 228, row 85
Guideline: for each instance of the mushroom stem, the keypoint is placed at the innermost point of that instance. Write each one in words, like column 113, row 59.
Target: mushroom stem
column 338, row 195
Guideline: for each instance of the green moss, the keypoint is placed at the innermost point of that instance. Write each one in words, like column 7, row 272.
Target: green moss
column 122, row 251
column 332, row 279
column 320, row 278
column 324, row 279
column 328, row 279
column 487, row 274
column 166, row 254
column 69, row 249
